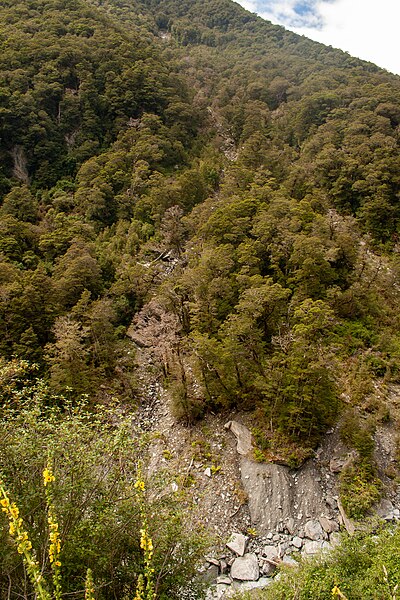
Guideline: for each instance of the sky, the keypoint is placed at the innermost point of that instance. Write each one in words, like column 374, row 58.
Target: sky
column 368, row 29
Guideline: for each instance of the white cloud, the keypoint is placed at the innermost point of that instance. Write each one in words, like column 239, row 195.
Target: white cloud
column 365, row 28
column 284, row 12
column 250, row 5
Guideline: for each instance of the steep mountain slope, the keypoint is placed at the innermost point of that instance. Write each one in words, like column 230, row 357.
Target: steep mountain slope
column 134, row 112
column 187, row 178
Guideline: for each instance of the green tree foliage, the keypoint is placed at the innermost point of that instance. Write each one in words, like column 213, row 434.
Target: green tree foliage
column 250, row 173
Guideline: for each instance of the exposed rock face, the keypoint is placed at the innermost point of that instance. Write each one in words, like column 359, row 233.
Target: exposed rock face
column 224, row 580
column 20, row 170
column 348, row 523
column 245, row 568
column 385, row 510
column 277, row 495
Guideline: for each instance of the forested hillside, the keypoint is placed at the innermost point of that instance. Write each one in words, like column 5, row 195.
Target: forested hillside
column 191, row 164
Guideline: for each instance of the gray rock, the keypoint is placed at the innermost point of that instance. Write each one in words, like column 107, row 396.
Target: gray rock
column 288, row 560
column 334, row 539
column 297, row 542
column 283, row 546
column 245, row 568
column 312, row 547
column 326, row 547
column 336, row 465
column 331, row 502
column 334, row 525
column 237, row 543
column 224, row 579
column 223, row 567
column 290, row 526
column 348, row 523
column 313, row 530
column 243, row 437
column 210, row 574
column 207, row 472
column 263, row 582
column 268, row 569
column 221, row 591
column 385, row 509
column 271, row 553
column 326, row 524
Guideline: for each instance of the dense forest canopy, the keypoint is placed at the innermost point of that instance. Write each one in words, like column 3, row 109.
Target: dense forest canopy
column 259, row 159
column 264, row 165
column 189, row 164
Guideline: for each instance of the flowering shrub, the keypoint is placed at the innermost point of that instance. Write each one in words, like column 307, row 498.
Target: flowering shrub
column 24, row 546
column 145, row 586
column 81, row 509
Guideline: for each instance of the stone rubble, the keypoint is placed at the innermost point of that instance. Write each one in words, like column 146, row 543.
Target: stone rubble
column 252, row 561
column 294, row 513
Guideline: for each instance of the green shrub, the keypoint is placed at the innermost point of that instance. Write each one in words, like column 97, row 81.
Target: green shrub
column 360, row 488
column 95, row 458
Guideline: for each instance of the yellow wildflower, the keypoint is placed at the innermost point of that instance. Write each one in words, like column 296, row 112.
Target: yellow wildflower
column 139, row 588
column 139, row 485
column 14, row 512
column 48, row 476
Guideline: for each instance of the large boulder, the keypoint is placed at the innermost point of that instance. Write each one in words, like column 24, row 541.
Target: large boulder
column 245, row 568
column 243, row 437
